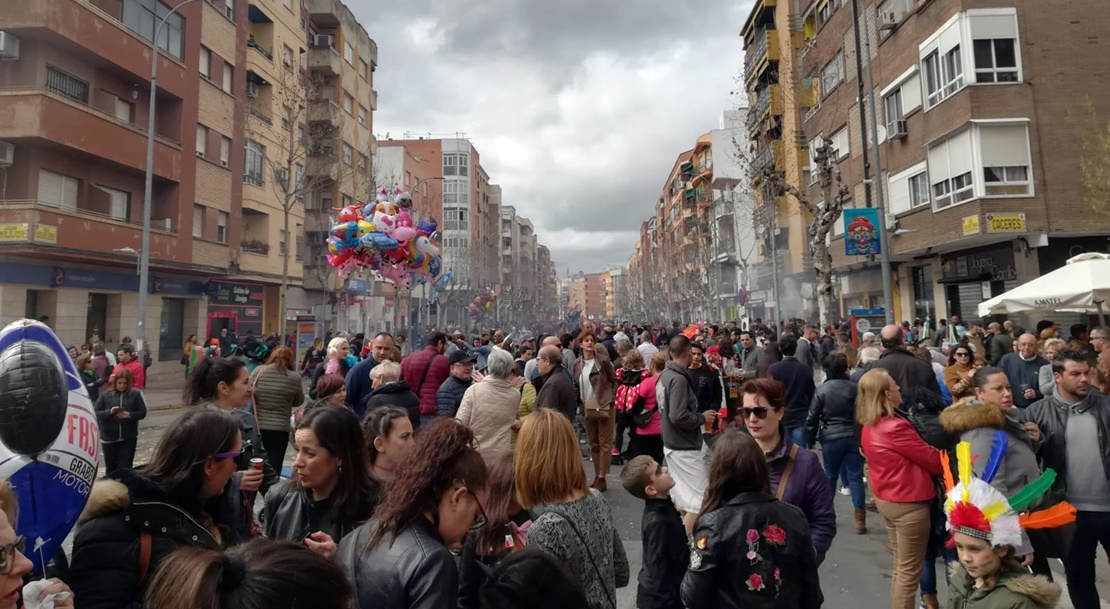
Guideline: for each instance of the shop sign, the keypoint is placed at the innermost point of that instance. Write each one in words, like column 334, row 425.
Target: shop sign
column 13, row 232
column 994, row 264
column 971, row 225
column 861, row 233
column 296, row 314
column 1005, row 223
column 234, row 294
column 44, row 233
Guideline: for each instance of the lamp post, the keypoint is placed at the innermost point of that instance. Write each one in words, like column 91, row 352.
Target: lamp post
column 404, row 294
column 144, row 253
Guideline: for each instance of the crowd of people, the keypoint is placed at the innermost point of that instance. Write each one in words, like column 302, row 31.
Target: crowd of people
column 473, row 474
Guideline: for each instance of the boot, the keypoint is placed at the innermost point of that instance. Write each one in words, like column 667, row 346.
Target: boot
column 861, row 521
column 930, row 601
column 600, row 484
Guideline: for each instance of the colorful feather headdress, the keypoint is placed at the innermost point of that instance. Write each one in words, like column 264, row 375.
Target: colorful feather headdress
column 977, row 509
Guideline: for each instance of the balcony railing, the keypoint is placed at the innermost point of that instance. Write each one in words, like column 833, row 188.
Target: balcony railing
column 158, row 225
column 764, row 159
column 254, row 45
column 260, row 248
column 260, row 115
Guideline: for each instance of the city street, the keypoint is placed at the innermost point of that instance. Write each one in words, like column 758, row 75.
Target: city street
column 855, row 574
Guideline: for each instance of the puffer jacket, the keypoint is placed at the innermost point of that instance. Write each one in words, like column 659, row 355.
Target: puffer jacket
column 115, row 429
column 900, row 462
column 807, row 489
column 414, row 570
column 396, row 393
column 832, row 413
column 1016, row 589
column 721, row 576
column 290, row 514
column 977, row 424
column 276, row 394
column 489, row 409
column 425, row 371
column 104, row 570
column 449, row 395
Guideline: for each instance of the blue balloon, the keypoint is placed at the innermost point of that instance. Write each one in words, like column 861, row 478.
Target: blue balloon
column 379, row 241
column 49, row 438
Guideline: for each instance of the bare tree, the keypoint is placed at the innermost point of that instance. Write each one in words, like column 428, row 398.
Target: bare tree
column 1094, row 163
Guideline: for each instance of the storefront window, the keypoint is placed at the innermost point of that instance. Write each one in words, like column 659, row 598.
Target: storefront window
column 170, row 330
column 924, row 305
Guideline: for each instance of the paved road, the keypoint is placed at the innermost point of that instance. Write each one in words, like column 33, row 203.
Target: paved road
column 855, row 574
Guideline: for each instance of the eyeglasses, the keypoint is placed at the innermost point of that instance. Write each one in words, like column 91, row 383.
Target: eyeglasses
column 7, row 554
column 228, row 455
column 481, row 520
column 760, row 412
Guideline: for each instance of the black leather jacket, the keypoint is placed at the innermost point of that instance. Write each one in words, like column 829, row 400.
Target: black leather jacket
column 721, row 576
column 290, row 514
column 1052, row 419
column 416, row 571
column 832, row 413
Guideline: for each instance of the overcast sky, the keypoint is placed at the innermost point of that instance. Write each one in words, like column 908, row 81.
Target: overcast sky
column 577, row 107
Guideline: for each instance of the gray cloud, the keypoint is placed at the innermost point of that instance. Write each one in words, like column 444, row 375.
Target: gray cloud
column 578, row 107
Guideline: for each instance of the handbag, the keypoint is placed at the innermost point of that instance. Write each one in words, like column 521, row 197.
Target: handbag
column 641, row 417
column 595, row 411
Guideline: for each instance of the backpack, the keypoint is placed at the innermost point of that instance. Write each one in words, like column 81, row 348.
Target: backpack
column 627, row 392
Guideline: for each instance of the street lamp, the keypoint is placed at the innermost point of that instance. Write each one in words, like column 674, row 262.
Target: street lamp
column 144, row 253
column 130, row 250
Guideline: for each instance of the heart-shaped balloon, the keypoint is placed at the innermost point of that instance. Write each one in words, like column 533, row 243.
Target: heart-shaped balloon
column 49, row 438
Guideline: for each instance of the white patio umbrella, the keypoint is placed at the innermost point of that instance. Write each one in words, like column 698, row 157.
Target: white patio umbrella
column 1081, row 285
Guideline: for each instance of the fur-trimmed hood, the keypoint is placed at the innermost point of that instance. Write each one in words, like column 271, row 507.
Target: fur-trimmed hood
column 968, row 414
column 114, row 494
column 1014, row 579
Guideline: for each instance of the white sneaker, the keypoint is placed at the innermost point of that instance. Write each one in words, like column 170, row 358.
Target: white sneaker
column 845, row 491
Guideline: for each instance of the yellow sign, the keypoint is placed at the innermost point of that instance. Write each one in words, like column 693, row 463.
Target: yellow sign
column 1005, row 223
column 44, row 233
column 13, row 232
column 971, row 225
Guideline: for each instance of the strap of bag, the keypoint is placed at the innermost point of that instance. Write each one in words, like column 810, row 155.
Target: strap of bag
column 586, row 546
column 254, row 401
column 145, row 543
column 786, row 472
column 424, row 376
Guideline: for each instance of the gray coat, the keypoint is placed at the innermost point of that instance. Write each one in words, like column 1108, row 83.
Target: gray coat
column 976, row 424
column 275, row 397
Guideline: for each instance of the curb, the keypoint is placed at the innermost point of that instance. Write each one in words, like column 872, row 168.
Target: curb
column 164, row 407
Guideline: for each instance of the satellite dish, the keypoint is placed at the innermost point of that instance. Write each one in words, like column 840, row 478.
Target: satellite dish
column 880, row 132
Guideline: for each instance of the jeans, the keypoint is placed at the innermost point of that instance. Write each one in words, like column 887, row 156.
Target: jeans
column 798, row 435
column 275, row 443
column 119, row 455
column 842, row 458
column 937, row 548
column 1092, row 528
column 624, row 423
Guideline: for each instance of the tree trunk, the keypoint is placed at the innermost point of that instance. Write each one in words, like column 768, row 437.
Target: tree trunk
column 822, row 265
column 284, row 268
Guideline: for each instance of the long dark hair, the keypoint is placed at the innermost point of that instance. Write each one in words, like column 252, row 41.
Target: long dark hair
column 203, row 384
column 738, row 465
column 259, row 573
column 337, row 431
column 490, row 539
column 443, row 456
column 379, row 424
column 532, row 578
column 177, row 464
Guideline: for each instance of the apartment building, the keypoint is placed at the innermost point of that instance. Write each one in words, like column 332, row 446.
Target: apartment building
column 75, row 76
column 981, row 111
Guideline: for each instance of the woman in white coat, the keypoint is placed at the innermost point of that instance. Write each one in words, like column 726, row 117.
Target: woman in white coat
column 489, row 408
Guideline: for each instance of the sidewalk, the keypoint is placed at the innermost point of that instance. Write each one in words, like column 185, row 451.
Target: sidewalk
column 163, row 399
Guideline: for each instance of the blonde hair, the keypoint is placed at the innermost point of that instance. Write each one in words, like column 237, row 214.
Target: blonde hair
column 548, row 463
column 1054, row 343
column 8, row 502
column 388, row 371
column 335, row 347
column 871, row 402
column 659, row 361
column 633, row 360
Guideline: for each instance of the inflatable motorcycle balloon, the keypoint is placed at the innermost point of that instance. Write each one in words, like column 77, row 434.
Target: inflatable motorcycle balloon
column 49, row 438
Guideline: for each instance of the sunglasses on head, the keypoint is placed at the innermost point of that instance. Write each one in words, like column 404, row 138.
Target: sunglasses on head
column 760, row 412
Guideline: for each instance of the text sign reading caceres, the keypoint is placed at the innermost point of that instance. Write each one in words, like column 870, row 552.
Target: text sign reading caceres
column 1005, row 223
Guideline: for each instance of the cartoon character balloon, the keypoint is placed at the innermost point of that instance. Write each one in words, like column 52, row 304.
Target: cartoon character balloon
column 49, row 438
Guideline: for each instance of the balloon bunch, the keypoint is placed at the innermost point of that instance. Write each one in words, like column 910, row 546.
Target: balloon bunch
column 574, row 312
column 381, row 236
column 483, row 303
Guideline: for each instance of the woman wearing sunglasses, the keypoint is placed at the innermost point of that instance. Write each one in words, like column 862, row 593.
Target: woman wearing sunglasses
column 401, row 559
column 136, row 518
column 331, row 492
column 796, row 474
column 957, row 376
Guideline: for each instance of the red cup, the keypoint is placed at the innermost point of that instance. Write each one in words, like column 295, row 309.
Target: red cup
column 256, row 463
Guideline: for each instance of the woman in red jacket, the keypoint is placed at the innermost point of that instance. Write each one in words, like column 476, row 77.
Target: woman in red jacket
column 902, row 466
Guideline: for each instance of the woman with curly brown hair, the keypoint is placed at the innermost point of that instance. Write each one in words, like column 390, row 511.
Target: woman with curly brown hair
column 597, row 386
column 401, row 559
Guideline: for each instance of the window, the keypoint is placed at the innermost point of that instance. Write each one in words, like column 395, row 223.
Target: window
column 361, row 115
column 347, row 152
column 286, row 118
column 282, row 240
column 298, row 179
column 995, row 60
column 349, row 53
column 202, row 140
column 221, row 226
column 455, row 193
column 1006, row 160
column 228, row 73
column 456, row 219
column 142, row 17
column 456, row 164
column 289, row 4
column 832, row 73
column 298, row 246
column 198, row 221
column 892, row 110
column 840, row 144
column 346, row 200
column 892, row 12
column 955, row 190
column 124, row 110
column 66, row 85
column 362, row 164
column 951, row 167
column 252, row 170
column 58, row 190
column 363, row 68
column 205, row 63
column 944, row 75
column 919, row 189
column 825, row 11
column 287, row 56
column 225, row 151
column 229, row 9
column 348, row 103
column 119, row 202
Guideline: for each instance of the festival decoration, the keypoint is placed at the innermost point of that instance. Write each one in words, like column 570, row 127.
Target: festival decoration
column 574, row 312
column 383, row 236
column 482, row 304
column 49, row 438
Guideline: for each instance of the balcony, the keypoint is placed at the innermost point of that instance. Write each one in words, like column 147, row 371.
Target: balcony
column 40, row 114
column 323, row 111
column 325, row 60
column 324, row 13
column 259, row 115
column 251, row 44
column 768, row 158
column 326, row 166
column 373, row 99
column 768, row 102
column 763, row 50
column 256, row 247
column 84, row 229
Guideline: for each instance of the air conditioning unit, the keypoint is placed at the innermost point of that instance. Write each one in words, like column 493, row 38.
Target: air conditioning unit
column 252, row 90
column 169, row 224
column 888, row 20
column 323, row 40
column 7, row 154
column 281, row 174
column 223, row 162
column 9, row 46
column 897, row 130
